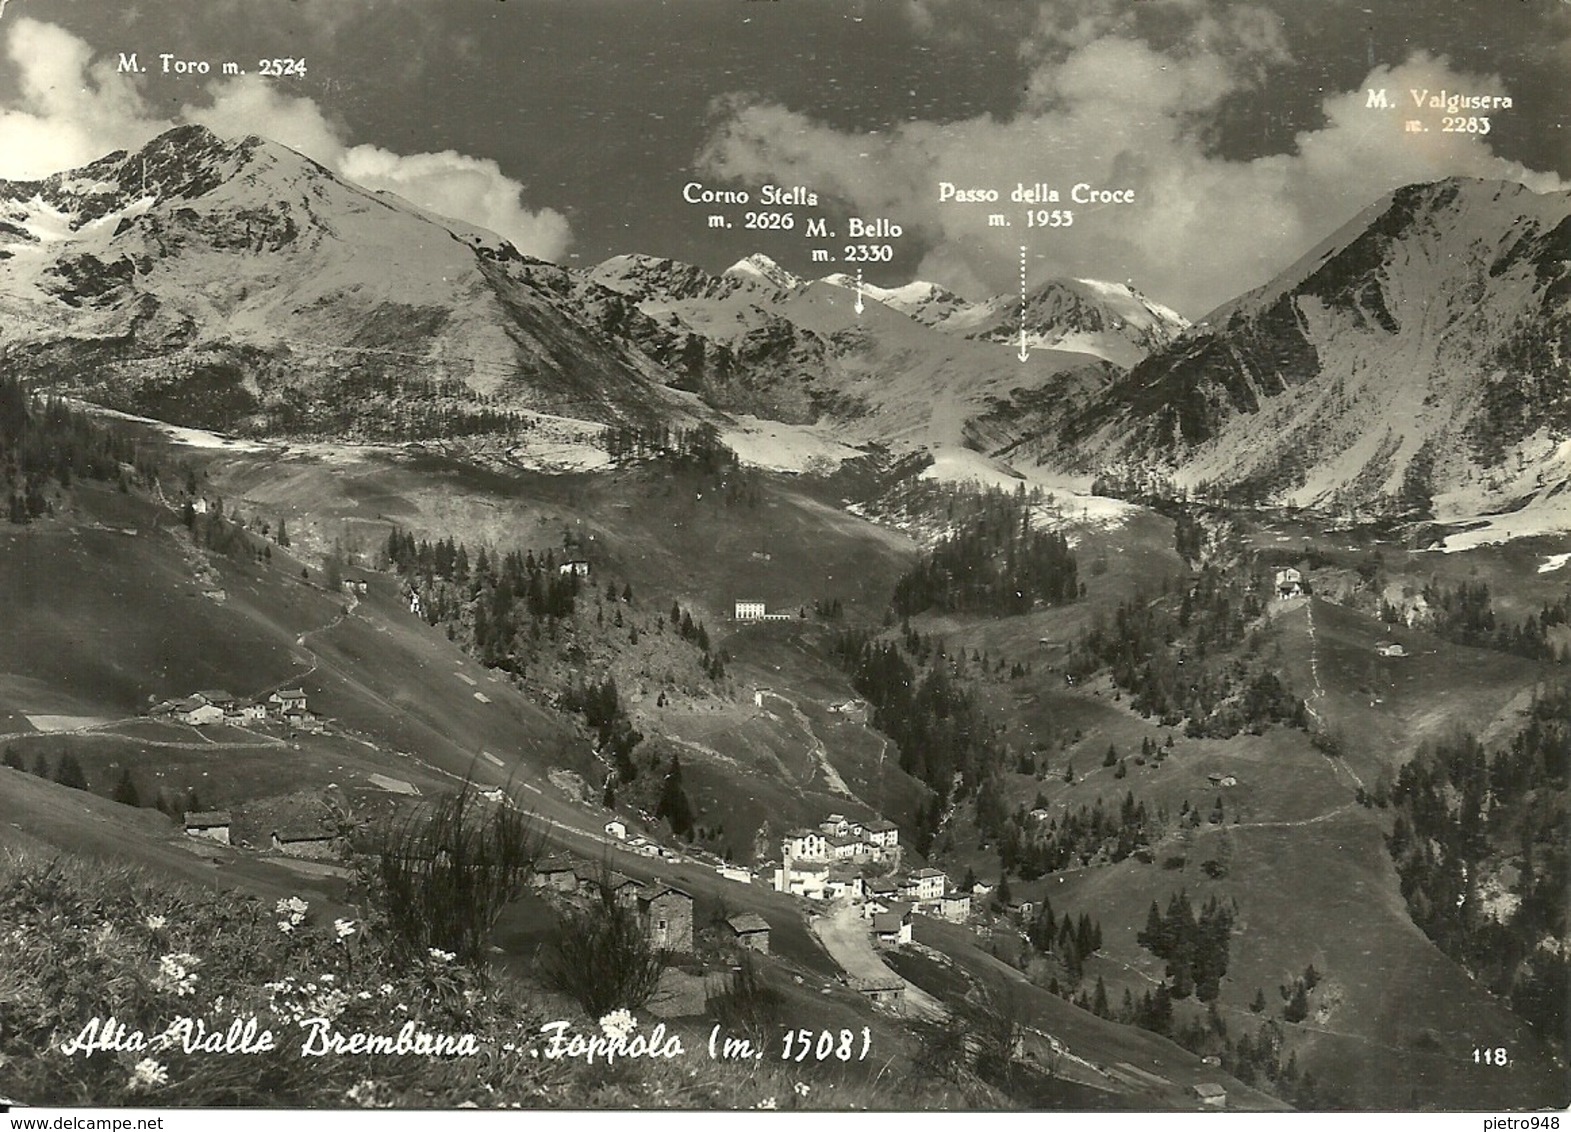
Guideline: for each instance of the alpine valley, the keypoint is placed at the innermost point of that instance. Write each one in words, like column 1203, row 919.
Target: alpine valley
column 1094, row 709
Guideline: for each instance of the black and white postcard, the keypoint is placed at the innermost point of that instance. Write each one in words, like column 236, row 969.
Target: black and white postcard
column 759, row 555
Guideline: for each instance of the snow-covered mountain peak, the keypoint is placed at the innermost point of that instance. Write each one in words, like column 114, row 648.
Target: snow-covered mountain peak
column 759, row 268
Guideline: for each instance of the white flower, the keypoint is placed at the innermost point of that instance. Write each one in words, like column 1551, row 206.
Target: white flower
column 363, row 1094
column 385, row 989
column 292, row 905
column 177, row 973
column 156, row 923
column 148, row 1074
column 618, row 1024
column 363, row 996
column 802, row 1088
column 344, row 928
column 443, row 956
column 767, row 1103
column 285, row 926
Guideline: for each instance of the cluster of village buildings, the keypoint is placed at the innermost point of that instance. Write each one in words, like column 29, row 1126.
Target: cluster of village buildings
column 667, row 911
column 833, row 862
column 205, row 708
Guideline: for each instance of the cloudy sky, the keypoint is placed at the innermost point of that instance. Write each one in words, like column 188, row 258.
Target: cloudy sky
column 571, row 126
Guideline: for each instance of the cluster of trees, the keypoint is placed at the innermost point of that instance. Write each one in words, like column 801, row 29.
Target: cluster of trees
column 392, row 403
column 67, row 770
column 995, row 563
column 1068, row 939
column 694, row 631
column 674, row 805
column 44, row 441
column 1458, row 817
column 601, row 706
column 1170, row 661
column 496, row 597
column 937, row 723
column 1029, row 848
column 1466, row 615
column 699, row 447
column 1195, row 947
column 1295, row 995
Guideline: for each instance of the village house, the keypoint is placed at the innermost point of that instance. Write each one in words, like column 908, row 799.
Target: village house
column 302, row 837
column 202, row 714
column 1390, row 648
column 881, row 888
column 750, row 931
column 804, row 844
column 882, row 992
column 928, row 884
column 847, row 848
column 892, row 928
column 874, row 906
column 1213, row 1095
column 955, row 907
column 735, row 872
column 1219, row 779
column 300, row 717
column 668, row 912
column 556, row 874
column 616, row 828
column 1289, row 582
column 210, row 825
column 843, row 883
column 219, row 699
column 835, row 825
column 884, row 834
column 623, row 889
column 287, row 698
column 981, row 888
column 749, row 611
column 246, row 714
column 577, row 567
column 803, row 878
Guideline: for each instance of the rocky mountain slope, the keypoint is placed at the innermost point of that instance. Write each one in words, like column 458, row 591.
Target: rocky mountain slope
column 1420, row 356
column 240, row 284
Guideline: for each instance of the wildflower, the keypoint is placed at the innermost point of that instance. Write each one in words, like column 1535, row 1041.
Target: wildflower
column 291, row 905
column 148, row 1074
column 344, row 928
column 363, row 996
column 177, row 973
column 443, row 956
column 385, row 989
column 768, row 1104
column 618, row 1024
column 156, row 923
column 285, row 926
column 802, row 1088
column 363, row 1094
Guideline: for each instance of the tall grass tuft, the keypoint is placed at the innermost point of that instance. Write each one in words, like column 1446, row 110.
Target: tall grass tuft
column 604, row 959
column 444, row 872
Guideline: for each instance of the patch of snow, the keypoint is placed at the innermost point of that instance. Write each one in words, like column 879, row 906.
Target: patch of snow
column 760, row 267
column 1553, row 563
column 785, row 447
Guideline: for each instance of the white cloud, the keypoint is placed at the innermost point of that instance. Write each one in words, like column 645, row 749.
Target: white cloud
column 1110, row 109
column 72, row 110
